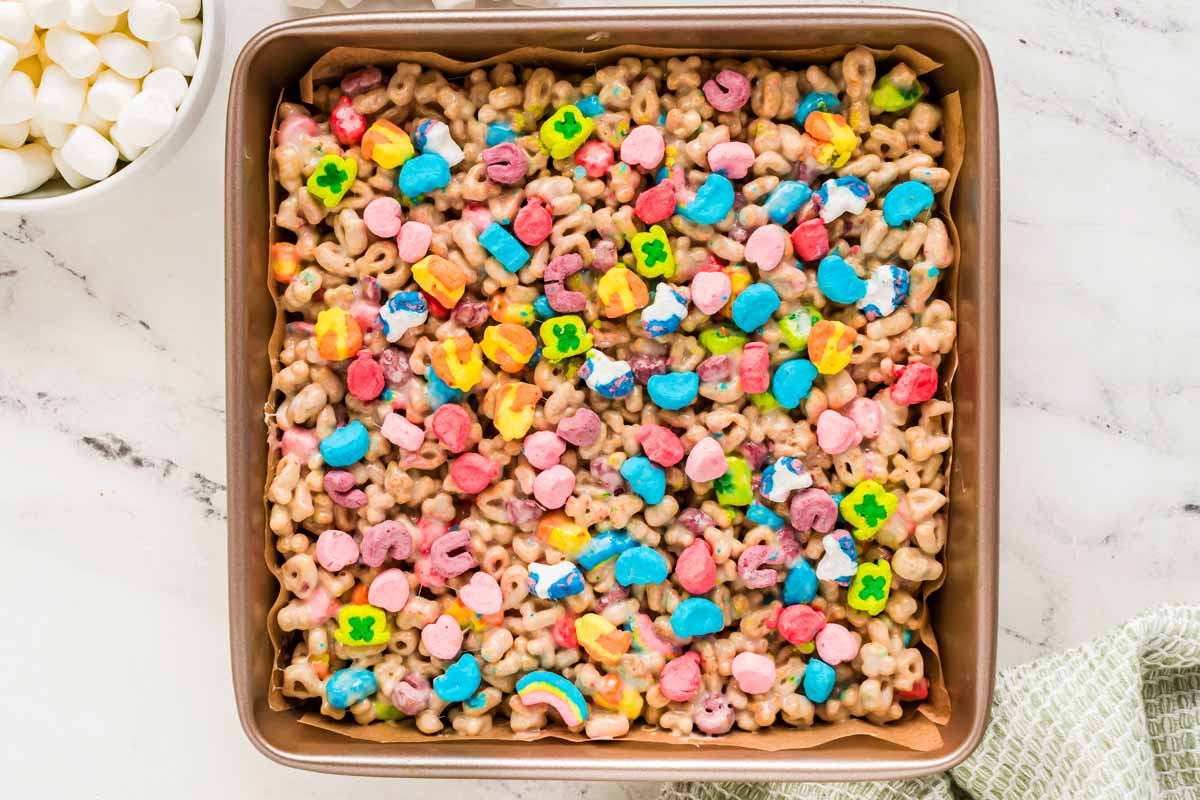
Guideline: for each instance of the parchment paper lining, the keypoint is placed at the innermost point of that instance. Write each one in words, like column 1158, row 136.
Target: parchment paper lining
column 919, row 729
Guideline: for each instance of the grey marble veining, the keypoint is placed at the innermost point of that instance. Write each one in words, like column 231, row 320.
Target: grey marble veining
column 111, row 407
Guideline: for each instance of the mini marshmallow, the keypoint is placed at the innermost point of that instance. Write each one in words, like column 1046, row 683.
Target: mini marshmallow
column 447, row 5
column 112, row 7
column 92, row 120
column 73, row 178
column 125, row 55
column 8, row 58
column 59, row 96
column 72, row 51
column 55, row 133
column 14, row 135
column 16, row 99
column 89, row 153
column 86, row 18
column 153, row 20
column 146, row 118
column 24, row 169
column 15, row 23
column 554, row 487
column 187, row 9
column 110, row 94
column 30, row 49
column 177, row 52
column 127, row 149
column 47, row 13
column 169, row 82
column 192, row 28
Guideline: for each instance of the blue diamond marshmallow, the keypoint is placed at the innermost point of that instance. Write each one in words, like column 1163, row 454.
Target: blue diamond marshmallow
column 504, row 247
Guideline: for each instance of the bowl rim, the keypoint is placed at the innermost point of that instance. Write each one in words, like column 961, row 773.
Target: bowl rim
column 200, row 89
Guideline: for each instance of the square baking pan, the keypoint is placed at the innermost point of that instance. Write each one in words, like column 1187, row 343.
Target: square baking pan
column 964, row 610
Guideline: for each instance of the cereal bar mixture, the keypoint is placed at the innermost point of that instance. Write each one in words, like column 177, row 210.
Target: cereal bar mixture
column 610, row 399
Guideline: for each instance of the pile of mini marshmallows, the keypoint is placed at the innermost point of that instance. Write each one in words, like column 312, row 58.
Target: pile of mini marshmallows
column 442, row 5
column 85, row 83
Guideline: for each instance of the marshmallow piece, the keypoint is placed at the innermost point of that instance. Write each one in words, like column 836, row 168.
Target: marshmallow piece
column 72, row 51
column 73, row 178
column 89, row 153
column 9, row 56
column 16, row 99
column 86, row 18
column 55, row 133
column 127, row 149
column 124, row 55
column 402, row 433
column 47, row 13
column 15, row 23
column 153, row 20
column 59, row 97
column 110, row 94
column 14, row 135
column 177, row 52
column 24, row 169
column 112, row 7
column 188, row 9
column 146, row 118
column 192, row 28
column 169, row 82
column 754, row 673
column 97, row 123
column 28, row 60
column 446, row 5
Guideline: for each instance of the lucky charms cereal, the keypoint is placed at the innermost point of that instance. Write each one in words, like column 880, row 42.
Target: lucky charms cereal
column 611, row 399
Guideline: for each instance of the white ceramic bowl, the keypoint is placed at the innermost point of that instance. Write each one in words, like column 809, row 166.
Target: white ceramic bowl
column 56, row 193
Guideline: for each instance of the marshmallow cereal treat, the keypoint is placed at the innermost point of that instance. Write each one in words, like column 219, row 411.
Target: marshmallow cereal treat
column 86, row 84
column 610, row 401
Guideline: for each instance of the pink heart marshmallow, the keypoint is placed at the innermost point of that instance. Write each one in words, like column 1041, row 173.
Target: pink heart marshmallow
column 643, row 147
column 443, row 638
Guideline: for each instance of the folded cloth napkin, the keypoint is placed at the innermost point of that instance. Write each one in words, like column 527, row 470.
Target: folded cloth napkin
column 1116, row 718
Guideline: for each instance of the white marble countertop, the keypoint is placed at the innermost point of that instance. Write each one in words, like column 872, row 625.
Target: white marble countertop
column 116, row 644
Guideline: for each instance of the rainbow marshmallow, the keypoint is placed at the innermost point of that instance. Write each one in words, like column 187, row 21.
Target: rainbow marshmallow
column 555, row 691
column 645, row 639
